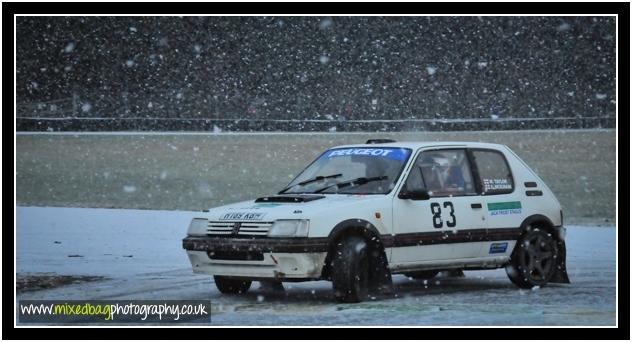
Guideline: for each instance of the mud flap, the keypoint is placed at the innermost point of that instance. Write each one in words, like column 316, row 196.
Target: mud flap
column 560, row 276
column 271, row 285
column 382, row 281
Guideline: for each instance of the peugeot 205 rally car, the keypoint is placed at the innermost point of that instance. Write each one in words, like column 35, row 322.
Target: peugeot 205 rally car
column 360, row 213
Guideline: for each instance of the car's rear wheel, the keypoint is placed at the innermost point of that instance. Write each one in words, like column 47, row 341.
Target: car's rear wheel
column 350, row 270
column 422, row 275
column 533, row 261
column 229, row 285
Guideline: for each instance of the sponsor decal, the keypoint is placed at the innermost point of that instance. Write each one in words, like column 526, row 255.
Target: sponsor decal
column 504, row 208
column 389, row 153
column 496, row 184
column 242, row 216
column 500, row 247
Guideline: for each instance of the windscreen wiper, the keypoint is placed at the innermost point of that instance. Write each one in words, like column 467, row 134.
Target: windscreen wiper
column 353, row 182
column 311, row 180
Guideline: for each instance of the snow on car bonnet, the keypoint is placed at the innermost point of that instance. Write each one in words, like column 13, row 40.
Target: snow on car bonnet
column 388, row 153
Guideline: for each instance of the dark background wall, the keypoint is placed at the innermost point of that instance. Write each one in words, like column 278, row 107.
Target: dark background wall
column 317, row 68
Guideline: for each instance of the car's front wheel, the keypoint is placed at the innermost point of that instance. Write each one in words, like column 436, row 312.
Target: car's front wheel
column 533, row 261
column 350, row 270
column 229, row 285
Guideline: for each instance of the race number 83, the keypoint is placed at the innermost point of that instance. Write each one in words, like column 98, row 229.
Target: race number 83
column 437, row 222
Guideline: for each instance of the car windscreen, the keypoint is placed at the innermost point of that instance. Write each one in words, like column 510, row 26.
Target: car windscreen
column 377, row 170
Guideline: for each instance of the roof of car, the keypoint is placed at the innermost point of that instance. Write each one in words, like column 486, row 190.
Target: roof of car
column 419, row 144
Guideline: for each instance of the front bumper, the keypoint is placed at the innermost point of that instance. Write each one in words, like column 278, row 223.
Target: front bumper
column 277, row 258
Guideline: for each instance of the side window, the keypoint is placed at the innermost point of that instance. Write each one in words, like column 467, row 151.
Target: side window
column 493, row 171
column 442, row 173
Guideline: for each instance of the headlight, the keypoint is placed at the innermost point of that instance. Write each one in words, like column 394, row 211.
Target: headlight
column 197, row 227
column 289, row 228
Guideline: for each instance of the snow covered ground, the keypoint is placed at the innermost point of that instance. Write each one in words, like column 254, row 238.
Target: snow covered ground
column 140, row 252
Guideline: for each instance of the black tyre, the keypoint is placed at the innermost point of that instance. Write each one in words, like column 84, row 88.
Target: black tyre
column 534, row 259
column 350, row 270
column 422, row 275
column 229, row 285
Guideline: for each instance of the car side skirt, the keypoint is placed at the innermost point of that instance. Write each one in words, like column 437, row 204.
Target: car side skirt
column 482, row 263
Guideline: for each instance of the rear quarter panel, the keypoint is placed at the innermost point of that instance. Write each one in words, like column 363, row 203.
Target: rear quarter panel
column 546, row 204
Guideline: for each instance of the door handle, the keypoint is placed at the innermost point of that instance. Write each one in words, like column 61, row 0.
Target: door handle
column 476, row 206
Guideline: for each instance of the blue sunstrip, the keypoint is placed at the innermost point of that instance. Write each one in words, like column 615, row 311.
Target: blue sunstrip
column 388, row 153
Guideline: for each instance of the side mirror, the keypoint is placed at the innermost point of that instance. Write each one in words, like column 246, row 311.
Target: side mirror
column 415, row 194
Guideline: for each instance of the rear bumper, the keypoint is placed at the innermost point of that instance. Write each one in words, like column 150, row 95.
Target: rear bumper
column 286, row 258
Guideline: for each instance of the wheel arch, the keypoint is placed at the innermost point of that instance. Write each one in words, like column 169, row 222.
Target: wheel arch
column 364, row 229
column 544, row 222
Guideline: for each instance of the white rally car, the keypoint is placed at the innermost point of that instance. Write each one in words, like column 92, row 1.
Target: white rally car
column 359, row 213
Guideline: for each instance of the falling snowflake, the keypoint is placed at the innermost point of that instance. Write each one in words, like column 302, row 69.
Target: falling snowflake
column 70, row 47
column 129, row 188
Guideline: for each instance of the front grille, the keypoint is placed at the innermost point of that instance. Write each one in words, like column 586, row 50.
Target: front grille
column 244, row 229
column 236, row 255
